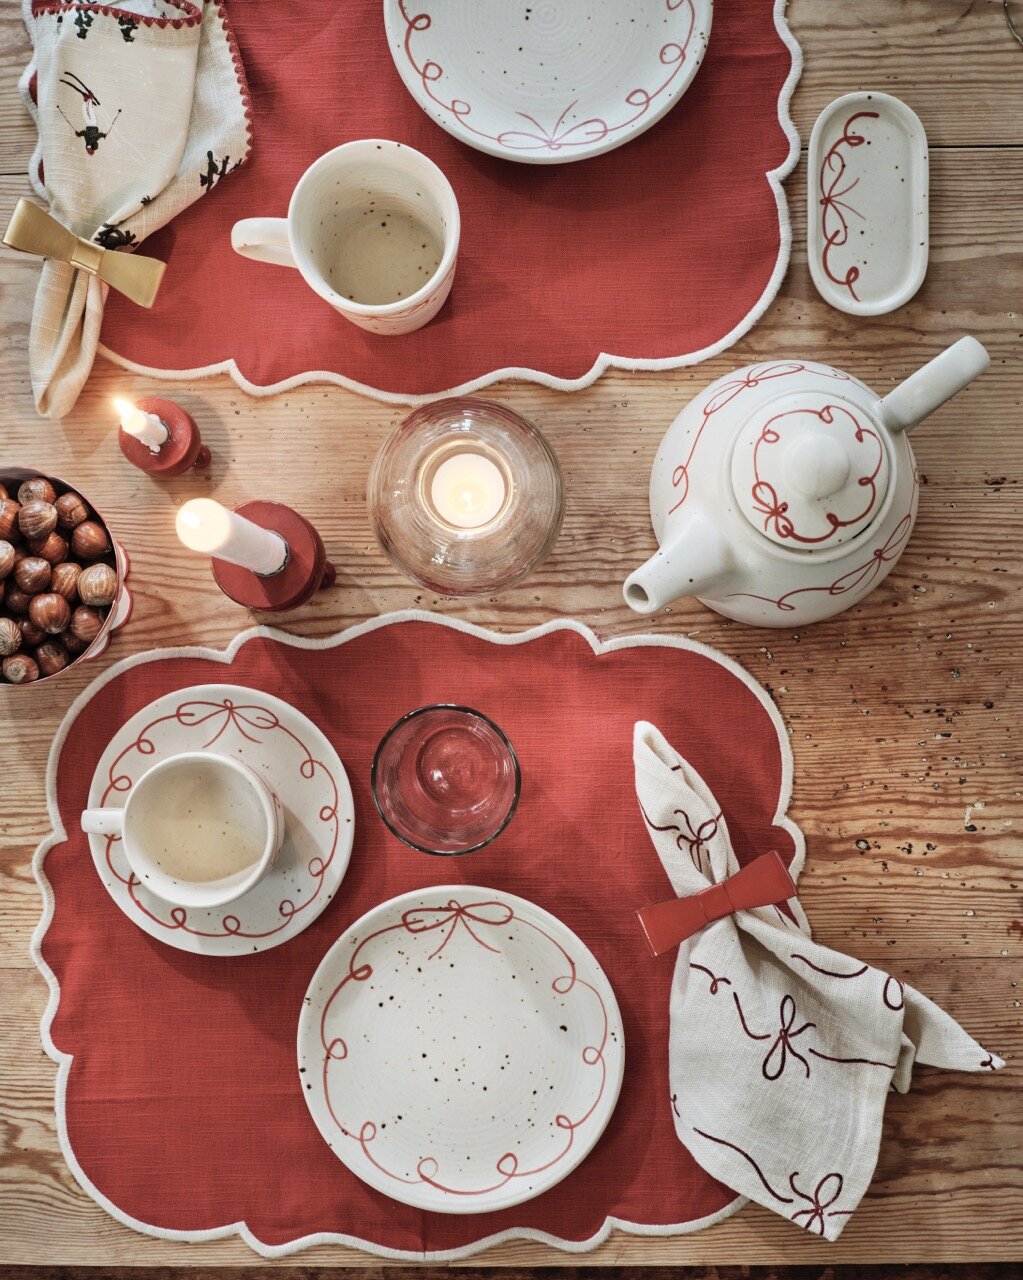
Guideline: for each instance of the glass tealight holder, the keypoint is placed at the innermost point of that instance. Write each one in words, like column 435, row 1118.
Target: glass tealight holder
column 466, row 496
column 446, row 780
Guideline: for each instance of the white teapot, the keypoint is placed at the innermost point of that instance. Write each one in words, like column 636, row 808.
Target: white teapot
column 785, row 492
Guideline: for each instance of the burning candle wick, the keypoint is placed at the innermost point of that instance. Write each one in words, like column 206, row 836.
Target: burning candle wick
column 147, row 428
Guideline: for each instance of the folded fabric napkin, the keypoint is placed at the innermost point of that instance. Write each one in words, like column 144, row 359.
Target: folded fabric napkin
column 141, row 108
column 781, row 1051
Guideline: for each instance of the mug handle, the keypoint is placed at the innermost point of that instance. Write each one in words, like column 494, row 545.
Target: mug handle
column 103, row 822
column 263, row 240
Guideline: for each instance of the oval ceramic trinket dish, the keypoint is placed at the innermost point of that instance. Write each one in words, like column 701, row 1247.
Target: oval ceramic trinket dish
column 867, row 204
column 460, row 1049
column 547, row 81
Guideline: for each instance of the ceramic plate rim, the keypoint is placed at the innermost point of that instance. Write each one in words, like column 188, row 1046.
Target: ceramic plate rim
column 343, row 853
column 503, row 1198
column 703, row 15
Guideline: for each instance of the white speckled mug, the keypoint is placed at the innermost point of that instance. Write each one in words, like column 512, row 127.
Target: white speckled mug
column 373, row 227
column 198, row 829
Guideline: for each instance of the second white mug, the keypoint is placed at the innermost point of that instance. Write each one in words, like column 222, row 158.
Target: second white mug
column 373, row 226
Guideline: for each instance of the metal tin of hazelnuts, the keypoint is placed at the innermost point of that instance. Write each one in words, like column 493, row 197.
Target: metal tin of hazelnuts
column 46, row 535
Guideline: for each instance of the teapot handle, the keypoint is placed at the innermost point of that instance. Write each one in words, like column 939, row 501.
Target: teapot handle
column 939, row 380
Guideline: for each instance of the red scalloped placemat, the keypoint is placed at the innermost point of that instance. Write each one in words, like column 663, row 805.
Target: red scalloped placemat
column 660, row 252
column 179, row 1086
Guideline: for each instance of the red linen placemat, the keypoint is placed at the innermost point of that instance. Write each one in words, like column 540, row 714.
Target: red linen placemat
column 179, row 1103
column 661, row 253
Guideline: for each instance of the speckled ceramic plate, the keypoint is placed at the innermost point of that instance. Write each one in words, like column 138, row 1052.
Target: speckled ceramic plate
column 460, row 1049
column 279, row 742
column 546, row 81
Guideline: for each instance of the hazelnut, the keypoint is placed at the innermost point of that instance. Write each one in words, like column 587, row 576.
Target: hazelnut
column 17, row 601
column 31, row 635
column 9, row 519
column 4, row 492
column 20, row 669
column 36, row 519
column 10, row 637
column 7, row 558
column 33, row 575
column 54, row 547
column 36, row 489
column 97, row 585
column 86, row 623
column 89, row 541
column 72, row 644
column 64, row 579
column 71, row 511
column 50, row 612
column 51, row 657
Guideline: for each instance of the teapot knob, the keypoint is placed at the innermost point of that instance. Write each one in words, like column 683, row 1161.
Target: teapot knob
column 817, row 466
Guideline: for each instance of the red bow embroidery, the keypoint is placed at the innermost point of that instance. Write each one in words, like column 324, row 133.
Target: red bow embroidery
column 764, row 882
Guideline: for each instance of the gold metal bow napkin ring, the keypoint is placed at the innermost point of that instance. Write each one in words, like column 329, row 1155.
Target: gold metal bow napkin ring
column 33, row 230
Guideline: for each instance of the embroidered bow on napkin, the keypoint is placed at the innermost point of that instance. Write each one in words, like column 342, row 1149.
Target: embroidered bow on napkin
column 141, row 108
column 781, row 1051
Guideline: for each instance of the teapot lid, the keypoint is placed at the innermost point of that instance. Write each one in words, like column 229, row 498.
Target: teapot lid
column 810, row 471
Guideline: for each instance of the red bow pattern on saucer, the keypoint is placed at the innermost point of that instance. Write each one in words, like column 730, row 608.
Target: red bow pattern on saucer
column 812, row 1040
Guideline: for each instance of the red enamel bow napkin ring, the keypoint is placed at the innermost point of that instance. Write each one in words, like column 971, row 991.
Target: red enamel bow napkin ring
column 764, row 882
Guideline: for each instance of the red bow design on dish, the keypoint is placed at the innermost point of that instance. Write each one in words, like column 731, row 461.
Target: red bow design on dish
column 764, row 882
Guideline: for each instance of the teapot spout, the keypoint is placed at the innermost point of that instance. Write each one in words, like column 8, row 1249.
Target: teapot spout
column 939, row 380
column 693, row 557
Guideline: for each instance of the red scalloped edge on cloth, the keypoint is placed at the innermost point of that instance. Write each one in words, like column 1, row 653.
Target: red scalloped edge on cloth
column 243, row 83
column 242, row 664
column 193, row 14
column 255, row 382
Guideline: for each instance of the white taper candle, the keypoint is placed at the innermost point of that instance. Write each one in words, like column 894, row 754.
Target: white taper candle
column 206, row 526
column 152, row 431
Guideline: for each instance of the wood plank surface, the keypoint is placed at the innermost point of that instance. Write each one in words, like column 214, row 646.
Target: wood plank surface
column 904, row 712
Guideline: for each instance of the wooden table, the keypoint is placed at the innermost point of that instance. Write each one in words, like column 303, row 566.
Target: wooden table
column 904, row 712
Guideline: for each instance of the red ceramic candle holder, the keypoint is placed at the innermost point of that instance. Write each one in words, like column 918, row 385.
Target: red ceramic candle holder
column 183, row 450
column 306, row 570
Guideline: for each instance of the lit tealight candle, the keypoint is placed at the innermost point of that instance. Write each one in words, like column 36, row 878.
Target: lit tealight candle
column 468, row 490
column 152, row 431
column 206, row 526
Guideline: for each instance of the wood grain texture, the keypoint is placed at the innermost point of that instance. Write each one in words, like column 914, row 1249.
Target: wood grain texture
column 903, row 712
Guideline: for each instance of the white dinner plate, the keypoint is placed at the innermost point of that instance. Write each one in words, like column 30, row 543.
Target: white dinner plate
column 283, row 745
column 547, row 81
column 460, row 1049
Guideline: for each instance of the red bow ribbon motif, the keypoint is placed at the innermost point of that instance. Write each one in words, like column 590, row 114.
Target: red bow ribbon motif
column 764, row 882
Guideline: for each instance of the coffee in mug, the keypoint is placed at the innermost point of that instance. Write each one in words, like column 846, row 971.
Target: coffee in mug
column 198, row 829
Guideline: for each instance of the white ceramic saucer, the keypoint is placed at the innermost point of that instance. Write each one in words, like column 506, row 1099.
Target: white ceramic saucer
column 302, row 767
column 460, row 1049
column 546, row 81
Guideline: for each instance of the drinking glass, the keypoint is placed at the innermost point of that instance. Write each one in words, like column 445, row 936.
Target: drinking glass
column 446, row 779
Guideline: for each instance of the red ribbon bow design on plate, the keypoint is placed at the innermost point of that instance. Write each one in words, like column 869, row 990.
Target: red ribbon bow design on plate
column 764, row 882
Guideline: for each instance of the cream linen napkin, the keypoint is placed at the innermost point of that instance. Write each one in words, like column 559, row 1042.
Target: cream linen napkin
column 781, row 1051
column 141, row 108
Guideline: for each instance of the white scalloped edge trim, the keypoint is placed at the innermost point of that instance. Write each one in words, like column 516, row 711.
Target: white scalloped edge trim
column 227, row 656
column 604, row 361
